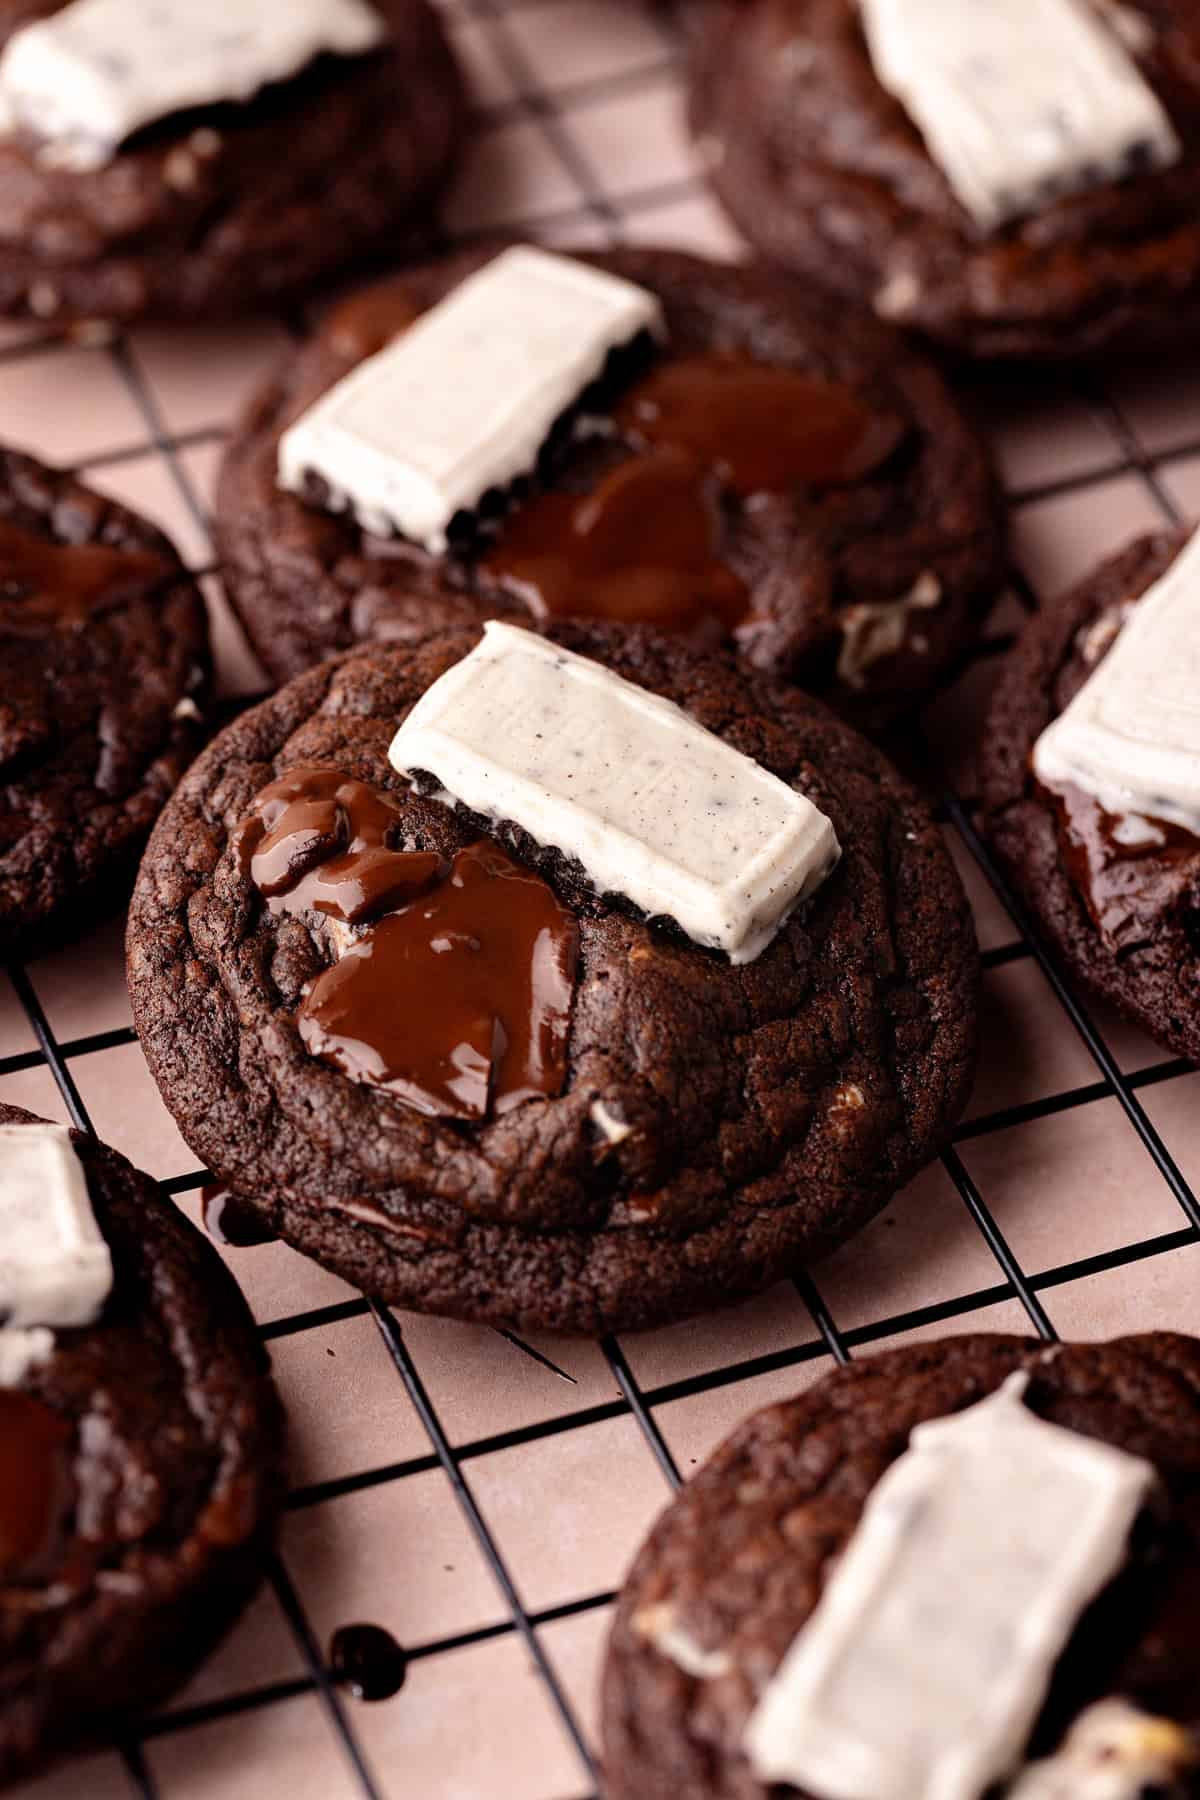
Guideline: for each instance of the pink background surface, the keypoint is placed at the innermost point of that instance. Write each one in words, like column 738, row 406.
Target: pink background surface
column 559, row 1470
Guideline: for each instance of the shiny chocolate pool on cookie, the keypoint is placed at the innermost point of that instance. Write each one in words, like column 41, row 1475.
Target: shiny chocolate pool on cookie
column 480, row 1074
column 708, row 450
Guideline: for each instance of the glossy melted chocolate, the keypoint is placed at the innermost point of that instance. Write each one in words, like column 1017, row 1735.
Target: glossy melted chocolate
column 459, row 1003
column 457, row 997
column 763, row 430
column 44, row 583
column 1127, row 869
column 34, row 1455
column 318, row 840
column 646, row 543
column 641, row 547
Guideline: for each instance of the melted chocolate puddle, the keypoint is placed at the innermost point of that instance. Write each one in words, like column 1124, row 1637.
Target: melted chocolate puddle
column 44, row 583
column 763, row 430
column 1129, row 869
column 456, row 996
column 458, row 1003
column 367, row 1660
column 35, row 1445
column 645, row 543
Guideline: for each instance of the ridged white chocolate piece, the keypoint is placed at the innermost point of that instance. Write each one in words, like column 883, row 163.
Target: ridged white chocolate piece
column 463, row 401
column 923, row 1668
column 55, row 1267
column 1131, row 735
column 651, row 804
column 1019, row 101
column 90, row 75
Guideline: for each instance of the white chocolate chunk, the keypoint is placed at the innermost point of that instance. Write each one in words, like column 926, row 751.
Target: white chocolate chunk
column 88, row 76
column 651, row 804
column 1018, row 103
column 1113, row 1751
column 923, row 1668
column 874, row 629
column 1131, row 735
column 55, row 1267
column 21, row 1351
column 464, row 399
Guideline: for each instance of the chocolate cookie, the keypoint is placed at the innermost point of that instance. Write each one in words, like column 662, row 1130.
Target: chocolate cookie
column 1124, row 916
column 783, row 475
column 139, row 1477
column 826, row 174
column 221, row 209
column 104, row 671
column 667, row 1130
column 735, row 1566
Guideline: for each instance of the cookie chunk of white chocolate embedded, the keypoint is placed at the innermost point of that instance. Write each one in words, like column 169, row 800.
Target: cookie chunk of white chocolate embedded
column 983, row 1545
column 1131, row 735
column 89, row 75
column 463, row 401
column 55, row 1267
column 1018, row 104
column 652, row 805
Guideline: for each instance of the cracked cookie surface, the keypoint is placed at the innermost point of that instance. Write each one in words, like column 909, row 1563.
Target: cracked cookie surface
column 717, row 1124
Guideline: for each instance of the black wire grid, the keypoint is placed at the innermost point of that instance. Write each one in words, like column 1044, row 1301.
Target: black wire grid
column 604, row 217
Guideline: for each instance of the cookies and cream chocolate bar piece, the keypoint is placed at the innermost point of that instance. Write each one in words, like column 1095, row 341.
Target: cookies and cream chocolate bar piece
column 1018, row 103
column 89, row 75
column 55, row 1267
column 923, row 1668
column 1131, row 735
column 651, row 804
column 463, row 401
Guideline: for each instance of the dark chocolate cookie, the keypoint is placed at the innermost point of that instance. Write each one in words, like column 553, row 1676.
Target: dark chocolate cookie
column 697, row 1129
column 862, row 581
column 141, row 1464
column 825, row 173
column 222, row 210
column 735, row 1566
column 1124, row 918
column 104, row 672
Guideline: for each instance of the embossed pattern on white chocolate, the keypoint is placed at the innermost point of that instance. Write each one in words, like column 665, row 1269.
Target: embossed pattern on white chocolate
column 55, row 1267
column 1131, row 735
column 465, row 398
column 651, row 804
column 1019, row 101
column 922, row 1670
column 88, row 76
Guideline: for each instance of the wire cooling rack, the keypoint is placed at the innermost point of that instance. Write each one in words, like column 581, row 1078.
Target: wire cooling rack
column 476, row 1493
